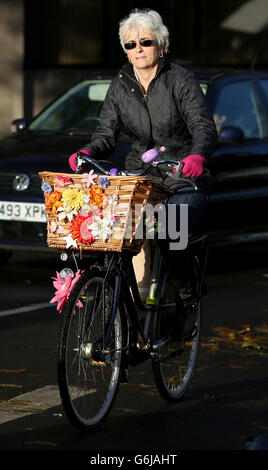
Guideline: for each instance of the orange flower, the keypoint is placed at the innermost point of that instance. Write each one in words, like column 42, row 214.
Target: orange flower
column 96, row 195
column 77, row 233
column 53, row 201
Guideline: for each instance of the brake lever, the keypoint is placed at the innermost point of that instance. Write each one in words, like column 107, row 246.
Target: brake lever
column 82, row 158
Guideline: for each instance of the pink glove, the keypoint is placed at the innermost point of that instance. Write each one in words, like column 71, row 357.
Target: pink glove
column 193, row 165
column 72, row 158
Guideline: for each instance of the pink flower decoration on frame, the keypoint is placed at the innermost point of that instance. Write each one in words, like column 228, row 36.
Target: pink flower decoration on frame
column 63, row 289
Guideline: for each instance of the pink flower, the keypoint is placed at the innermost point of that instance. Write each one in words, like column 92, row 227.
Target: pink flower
column 88, row 178
column 63, row 289
column 53, row 226
column 62, row 180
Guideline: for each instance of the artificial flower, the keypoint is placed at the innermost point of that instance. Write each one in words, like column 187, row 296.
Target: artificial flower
column 75, row 228
column 46, row 188
column 86, row 209
column 113, row 200
column 70, row 241
column 86, row 231
column 88, row 178
column 73, row 198
column 101, row 228
column 63, row 289
column 96, row 195
column 62, row 180
column 104, row 182
column 53, row 226
column 115, row 218
column 53, row 201
column 86, row 198
column 66, row 212
column 152, row 224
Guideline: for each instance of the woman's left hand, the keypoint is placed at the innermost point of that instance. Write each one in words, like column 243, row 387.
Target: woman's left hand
column 193, row 166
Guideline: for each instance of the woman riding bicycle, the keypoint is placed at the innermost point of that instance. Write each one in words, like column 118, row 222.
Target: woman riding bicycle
column 158, row 103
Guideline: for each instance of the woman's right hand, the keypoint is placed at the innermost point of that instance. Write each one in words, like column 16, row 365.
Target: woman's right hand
column 73, row 157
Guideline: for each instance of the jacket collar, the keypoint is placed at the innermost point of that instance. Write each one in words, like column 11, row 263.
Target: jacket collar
column 129, row 70
column 127, row 75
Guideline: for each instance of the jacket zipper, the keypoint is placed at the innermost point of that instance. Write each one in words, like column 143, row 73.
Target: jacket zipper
column 150, row 142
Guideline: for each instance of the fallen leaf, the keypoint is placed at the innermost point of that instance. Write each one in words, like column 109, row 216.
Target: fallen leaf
column 43, row 443
column 11, row 385
column 16, row 402
column 127, row 410
column 262, row 329
column 208, row 396
column 237, row 366
column 211, row 345
column 27, row 410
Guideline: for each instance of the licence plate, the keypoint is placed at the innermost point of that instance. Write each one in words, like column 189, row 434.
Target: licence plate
column 27, row 212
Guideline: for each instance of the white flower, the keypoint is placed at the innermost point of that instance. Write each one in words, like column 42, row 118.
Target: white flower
column 66, row 212
column 113, row 200
column 101, row 228
column 69, row 241
column 86, row 198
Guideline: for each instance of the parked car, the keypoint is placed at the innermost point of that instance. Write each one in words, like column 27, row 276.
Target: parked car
column 239, row 165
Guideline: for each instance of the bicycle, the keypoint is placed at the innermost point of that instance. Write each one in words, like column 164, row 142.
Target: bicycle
column 106, row 329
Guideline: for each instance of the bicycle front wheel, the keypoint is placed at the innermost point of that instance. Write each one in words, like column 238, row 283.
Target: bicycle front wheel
column 175, row 363
column 89, row 365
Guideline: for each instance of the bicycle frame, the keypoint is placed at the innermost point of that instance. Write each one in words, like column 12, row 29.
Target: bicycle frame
column 126, row 290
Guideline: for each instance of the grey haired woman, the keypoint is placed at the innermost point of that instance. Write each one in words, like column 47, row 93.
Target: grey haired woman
column 158, row 103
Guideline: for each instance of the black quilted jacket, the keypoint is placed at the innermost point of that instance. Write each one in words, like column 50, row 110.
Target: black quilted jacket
column 174, row 114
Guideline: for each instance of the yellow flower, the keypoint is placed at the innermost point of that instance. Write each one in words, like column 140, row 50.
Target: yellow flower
column 73, row 198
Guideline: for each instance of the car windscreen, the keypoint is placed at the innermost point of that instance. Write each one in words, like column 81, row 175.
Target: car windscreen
column 76, row 110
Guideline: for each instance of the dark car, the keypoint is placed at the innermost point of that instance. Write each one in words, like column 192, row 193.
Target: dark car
column 239, row 166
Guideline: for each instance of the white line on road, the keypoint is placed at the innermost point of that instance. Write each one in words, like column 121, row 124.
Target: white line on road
column 27, row 308
column 29, row 403
column 36, row 401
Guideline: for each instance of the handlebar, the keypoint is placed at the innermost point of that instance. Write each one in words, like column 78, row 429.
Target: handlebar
column 176, row 167
column 82, row 158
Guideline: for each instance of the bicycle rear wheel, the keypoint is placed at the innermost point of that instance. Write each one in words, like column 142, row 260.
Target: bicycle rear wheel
column 89, row 367
column 175, row 364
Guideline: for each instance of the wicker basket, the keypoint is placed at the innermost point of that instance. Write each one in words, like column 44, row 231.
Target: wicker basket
column 123, row 199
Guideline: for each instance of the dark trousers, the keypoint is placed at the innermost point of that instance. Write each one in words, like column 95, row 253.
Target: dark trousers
column 178, row 263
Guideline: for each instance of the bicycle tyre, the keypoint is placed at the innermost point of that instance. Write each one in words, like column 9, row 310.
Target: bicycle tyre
column 173, row 374
column 88, row 378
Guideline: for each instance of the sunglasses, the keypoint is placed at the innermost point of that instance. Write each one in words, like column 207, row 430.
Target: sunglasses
column 143, row 43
